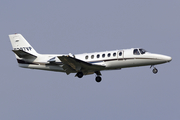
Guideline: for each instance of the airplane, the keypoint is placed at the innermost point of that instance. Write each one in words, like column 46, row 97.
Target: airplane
column 86, row 63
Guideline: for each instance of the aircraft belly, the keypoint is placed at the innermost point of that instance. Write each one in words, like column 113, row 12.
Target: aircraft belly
column 144, row 62
column 118, row 64
column 43, row 67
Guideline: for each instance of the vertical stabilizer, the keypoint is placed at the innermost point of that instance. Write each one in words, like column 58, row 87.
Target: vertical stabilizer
column 19, row 43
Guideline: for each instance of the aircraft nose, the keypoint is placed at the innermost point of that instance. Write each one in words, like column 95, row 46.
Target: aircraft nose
column 167, row 58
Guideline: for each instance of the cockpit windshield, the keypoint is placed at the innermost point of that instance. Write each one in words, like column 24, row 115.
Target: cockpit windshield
column 136, row 52
column 139, row 51
column 142, row 51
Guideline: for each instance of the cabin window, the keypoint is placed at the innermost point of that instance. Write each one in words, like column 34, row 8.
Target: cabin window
column 109, row 54
column 92, row 56
column 114, row 54
column 98, row 55
column 103, row 55
column 136, row 52
column 120, row 53
column 86, row 57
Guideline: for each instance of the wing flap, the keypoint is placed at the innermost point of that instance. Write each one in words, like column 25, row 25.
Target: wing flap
column 68, row 69
column 23, row 54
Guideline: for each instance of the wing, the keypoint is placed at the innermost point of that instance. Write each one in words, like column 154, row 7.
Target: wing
column 23, row 54
column 79, row 65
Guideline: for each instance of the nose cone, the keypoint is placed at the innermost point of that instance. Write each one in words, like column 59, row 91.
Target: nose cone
column 160, row 59
column 167, row 58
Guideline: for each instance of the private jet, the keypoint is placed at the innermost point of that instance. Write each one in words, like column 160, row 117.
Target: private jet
column 86, row 63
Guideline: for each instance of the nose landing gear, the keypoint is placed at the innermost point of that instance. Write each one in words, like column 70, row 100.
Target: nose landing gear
column 155, row 70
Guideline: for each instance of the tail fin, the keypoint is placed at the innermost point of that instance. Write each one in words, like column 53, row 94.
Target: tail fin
column 19, row 43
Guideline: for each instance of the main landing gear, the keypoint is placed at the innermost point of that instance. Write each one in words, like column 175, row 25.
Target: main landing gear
column 155, row 70
column 79, row 74
column 98, row 77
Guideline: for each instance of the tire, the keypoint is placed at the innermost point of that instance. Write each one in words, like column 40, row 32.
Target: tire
column 80, row 74
column 98, row 79
column 155, row 70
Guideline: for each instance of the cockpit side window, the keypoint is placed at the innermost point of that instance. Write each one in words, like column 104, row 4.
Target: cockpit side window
column 136, row 52
column 142, row 51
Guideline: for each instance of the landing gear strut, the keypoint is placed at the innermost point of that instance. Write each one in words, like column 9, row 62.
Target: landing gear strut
column 155, row 70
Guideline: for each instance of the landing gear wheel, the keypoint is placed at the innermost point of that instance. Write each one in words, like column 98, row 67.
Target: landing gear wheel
column 98, row 79
column 79, row 74
column 155, row 70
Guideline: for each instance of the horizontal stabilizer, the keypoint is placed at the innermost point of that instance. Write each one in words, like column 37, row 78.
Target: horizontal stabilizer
column 23, row 54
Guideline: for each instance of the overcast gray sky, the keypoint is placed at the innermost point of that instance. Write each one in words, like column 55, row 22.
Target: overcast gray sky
column 80, row 26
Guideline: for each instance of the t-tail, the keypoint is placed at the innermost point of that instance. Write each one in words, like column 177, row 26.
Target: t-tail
column 22, row 49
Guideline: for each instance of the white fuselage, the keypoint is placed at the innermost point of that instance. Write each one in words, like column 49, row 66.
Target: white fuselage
column 110, row 59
